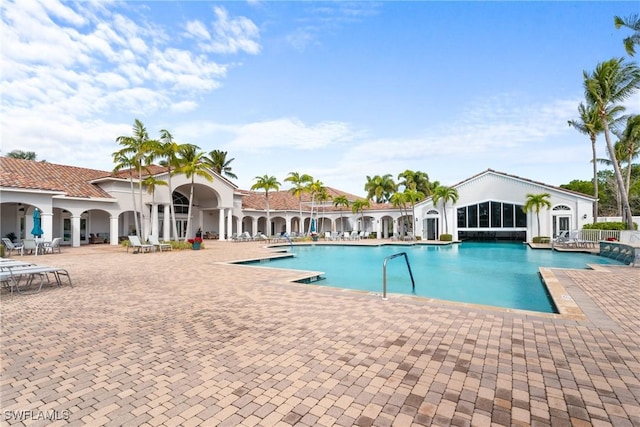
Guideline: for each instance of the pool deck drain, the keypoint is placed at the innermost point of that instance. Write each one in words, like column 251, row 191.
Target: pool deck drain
column 183, row 338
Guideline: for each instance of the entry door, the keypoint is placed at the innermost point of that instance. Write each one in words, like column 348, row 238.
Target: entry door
column 560, row 224
column 432, row 228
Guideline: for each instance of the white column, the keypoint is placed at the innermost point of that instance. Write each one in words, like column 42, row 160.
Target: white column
column 113, row 230
column 221, row 233
column 229, row 222
column 154, row 221
column 166, row 223
column 75, row 231
column 379, row 228
column 254, row 226
column 46, row 223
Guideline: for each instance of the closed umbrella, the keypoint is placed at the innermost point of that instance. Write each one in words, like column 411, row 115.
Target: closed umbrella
column 37, row 224
column 313, row 225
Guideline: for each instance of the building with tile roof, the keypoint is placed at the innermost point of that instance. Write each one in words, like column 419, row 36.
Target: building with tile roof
column 91, row 206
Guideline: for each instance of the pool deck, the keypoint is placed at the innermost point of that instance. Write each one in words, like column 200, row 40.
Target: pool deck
column 184, row 338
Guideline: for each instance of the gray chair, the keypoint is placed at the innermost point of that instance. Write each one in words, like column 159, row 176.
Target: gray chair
column 53, row 246
column 10, row 246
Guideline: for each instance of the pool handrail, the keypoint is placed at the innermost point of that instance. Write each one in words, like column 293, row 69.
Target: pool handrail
column 384, row 273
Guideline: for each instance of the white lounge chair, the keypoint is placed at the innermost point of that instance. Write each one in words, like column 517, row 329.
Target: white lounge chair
column 138, row 246
column 158, row 245
column 10, row 246
column 29, row 245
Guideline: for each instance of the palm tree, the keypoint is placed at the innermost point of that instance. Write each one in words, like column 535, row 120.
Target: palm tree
column 192, row 164
column 339, row 202
column 169, row 149
column 417, row 180
column 632, row 22
column 314, row 188
column 612, row 82
column 413, row 196
column 218, row 162
column 150, row 182
column 590, row 124
column 322, row 196
column 25, row 155
column 446, row 194
column 380, row 187
column 139, row 150
column 359, row 205
column 300, row 183
column 266, row 183
column 535, row 202
column 123, row 161
column 399, row 200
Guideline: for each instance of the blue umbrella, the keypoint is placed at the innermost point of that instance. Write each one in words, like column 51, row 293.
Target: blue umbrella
column 37, row 228
column 313, row 225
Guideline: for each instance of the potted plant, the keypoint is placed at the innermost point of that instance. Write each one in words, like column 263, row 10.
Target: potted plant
column 196, row 243
column 314, row 236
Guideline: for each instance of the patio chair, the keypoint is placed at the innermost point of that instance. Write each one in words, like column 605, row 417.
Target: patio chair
column 13, row 276
column 156, row 243
column 10, row 246
column 52, row 246
column 138, row 246
column 29, row 245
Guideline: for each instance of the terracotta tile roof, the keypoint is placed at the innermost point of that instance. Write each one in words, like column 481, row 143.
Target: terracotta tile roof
column 70, row 180
column 284, row 200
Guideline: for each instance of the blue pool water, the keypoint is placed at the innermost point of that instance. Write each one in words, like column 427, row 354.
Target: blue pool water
column 497, row 274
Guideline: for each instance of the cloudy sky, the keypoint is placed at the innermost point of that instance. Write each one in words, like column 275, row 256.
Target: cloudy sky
column 338, row 90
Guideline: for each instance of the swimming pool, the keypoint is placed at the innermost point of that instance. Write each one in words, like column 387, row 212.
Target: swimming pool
column 497, row 274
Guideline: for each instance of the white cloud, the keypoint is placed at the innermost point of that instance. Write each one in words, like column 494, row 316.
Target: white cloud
column 232, row 35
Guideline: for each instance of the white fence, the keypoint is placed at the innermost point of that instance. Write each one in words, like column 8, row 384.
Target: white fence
column 598, row 235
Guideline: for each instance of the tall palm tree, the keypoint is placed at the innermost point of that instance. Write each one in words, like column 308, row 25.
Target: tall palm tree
column 192, row 164
column 123, row 161
column 138, row 149
column 630, row 138
column 322, row 196
column 266, row 183
column 300, row 183
column 380, row 187
column 590, row 124
column 535, row 202
column 169, row 149
column 314, row 188
column 415, row 180
column 150, row 183
column 399, row 200
column 218, row 162
column 359, row 205
column 445, row 194
column 413, row 196
column 25, row 155
column 632, row 22
column 609, row 84
column 339, row 202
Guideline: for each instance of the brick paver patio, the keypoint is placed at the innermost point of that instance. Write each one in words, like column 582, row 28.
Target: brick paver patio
column 181, row 339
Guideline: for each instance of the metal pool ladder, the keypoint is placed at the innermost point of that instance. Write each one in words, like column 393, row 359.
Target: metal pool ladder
column 384, row 273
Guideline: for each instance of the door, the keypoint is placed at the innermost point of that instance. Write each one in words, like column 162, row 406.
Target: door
column 560, row 224
column 432, row 228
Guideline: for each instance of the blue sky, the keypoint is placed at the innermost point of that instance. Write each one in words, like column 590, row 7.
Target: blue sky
column 338, row 90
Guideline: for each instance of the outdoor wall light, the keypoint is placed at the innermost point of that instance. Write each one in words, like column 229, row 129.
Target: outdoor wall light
column 584, row 216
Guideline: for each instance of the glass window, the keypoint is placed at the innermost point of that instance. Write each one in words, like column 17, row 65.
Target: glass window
column 521, row 217
column 472, row 216
column 180, row 203
column 496, row 214
column 507, row 215
column 483, row 214
column 462, row 217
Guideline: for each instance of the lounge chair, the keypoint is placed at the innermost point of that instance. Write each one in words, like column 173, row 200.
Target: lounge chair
column 13, row 276
column 138, row 246
column 10, row 246
column 160, row 246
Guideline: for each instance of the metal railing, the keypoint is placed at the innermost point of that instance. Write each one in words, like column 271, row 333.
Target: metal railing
column 384, row 273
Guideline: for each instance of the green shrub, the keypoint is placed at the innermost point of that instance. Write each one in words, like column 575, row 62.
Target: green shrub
column 1, row 251
column 608, row 226
column 446, row 237
column 541, row 239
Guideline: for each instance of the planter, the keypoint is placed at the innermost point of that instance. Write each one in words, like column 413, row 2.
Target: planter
column 196, row 246
column 314, row 238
